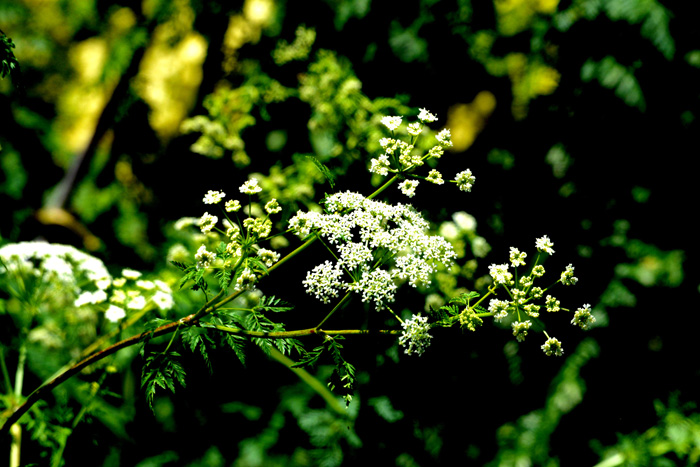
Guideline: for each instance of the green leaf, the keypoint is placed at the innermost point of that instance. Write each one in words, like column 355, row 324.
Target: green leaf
column 180, row 266
column 273, row 304
column 162, row 370
column 323, row 169
column 310, row 358
column 612, row 75
column 8, row 63
column 197, row 340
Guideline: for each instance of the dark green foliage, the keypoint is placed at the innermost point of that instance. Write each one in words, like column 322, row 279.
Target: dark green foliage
column 310, row 358
column 456, row 306
column 8, row 63
column 230, row 319
column 256, row 321
column 198, row 341
column 192, row 273
column 161, row 369
column 343, row 372
column 272, row 304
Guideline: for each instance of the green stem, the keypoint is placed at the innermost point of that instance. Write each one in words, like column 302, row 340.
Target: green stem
column 292, row 254
column 383, row 187
column 395, row 315
column 5, row 373
column 172, row 338
column 16, row 428
column 300, row 332
column 343, row 300
column 309, row 379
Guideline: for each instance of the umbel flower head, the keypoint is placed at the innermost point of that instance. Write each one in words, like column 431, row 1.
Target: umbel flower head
column 415, row 337
column 522, row 294
column 362, row 231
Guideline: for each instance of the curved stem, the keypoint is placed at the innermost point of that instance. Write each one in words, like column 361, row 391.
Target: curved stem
column 343, row 300
column 43, row 390
column 320, row 388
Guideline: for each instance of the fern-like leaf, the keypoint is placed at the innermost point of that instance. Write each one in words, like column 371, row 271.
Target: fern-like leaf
column 273, row 304
column 323, row 169
column 162, row 370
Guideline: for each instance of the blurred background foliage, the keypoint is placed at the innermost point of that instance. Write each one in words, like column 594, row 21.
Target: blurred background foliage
column 578, row 118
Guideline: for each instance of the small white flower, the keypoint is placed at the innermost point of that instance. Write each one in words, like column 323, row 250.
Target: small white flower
column 414, row 129
column 145, row 285
column 552, row 303
column 84, row 298
column 532, row 310
column 408, row 187
column 207, row 222
column 163, row 300
column 520, row 329
column 250, row 187
column 268, row 257
column 435, row 177
column 552, row 347
column 118, row 297
column 465, row 221
column 137, row 303
column 213, row 197
column 185, row 222
column 567, row 277
column 544, row 244
column 500, row 274
column 525, row 282
column 380, row 165
column 425, row 116
column 103, row 283
column 415, row 336
column 204, row 257
column 391, row 123
column 272, row 206
column 444, row 138
column 499, row 308
column 114, row 313
column 436, row 151
column 162, row 286
column 583, row 317
column 517, row 258
column 232, row 205
column 130, row 274
column 245, row 280
column 465, row 180
column 536, row 293
column 323, row 281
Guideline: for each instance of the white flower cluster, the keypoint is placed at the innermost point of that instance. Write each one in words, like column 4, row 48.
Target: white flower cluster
column 583, row 317
column 52, row 261
column 86, row 278
column 362, row 231
column 415, row 335
column 129, row 292
column 552, row 347
column 241, row 236
column 404, row 157
column 523, row 293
